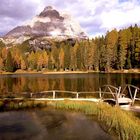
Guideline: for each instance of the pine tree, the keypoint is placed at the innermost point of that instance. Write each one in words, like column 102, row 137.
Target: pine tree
column 122, row 49
column 67, row 56
column 90, row 54
column 55, row 55
column 9, row 66
column 32, row 60
column 40, row 60
column 136, row 48
column 96, row 55
column 61, row 58
column 73, row 64
column 23, row 64
column 111, row 41
column 45, row 59
column 1, row 64
column 78, row 56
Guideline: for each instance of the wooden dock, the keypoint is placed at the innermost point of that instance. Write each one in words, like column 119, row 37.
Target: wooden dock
column 121, row 96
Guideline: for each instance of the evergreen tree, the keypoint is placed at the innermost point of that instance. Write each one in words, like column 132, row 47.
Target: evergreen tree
column 55, row 55
column 73, row 65
column 50, row 62
column 9, row 66
column 45, row 59
column 32, row 60
column 122, row 48
column 23, row 64
column 90, row 54
column 78, row 56
column 61, row 58
column 136, row 47
column 111, row 42
column 66, row 56
column 1, row 64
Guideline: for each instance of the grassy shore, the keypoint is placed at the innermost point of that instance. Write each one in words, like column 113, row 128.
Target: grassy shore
column 69, row 72
column 125, row 125
column 112, row 119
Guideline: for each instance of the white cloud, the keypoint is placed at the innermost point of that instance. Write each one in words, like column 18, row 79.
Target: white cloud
column 118, row 18
column 121, row 15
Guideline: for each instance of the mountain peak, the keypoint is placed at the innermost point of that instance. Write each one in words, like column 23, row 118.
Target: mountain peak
column 48, row 8
column 49, row 23
column 51, row 13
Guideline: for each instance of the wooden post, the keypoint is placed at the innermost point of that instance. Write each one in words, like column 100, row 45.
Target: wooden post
column 119, row 91
column 31, row 95
column 77, row 95
column 133, row 101
column 100, row 93
column 53, row 94
column 117, row 102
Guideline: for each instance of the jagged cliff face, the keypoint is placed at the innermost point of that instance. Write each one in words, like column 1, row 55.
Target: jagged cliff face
column 50, row 24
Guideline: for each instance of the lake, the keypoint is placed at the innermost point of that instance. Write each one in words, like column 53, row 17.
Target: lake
column 15, row 84
column 54, row 124
column 49, row 124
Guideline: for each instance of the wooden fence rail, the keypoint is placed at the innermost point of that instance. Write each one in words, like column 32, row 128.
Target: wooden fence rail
column 117, row 94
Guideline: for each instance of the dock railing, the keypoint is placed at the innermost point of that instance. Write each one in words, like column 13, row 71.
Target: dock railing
column 105, row 92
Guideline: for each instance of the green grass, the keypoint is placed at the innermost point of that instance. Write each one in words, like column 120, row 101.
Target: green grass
column 125, row 125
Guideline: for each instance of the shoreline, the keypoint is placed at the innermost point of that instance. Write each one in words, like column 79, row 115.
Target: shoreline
column 70, row 72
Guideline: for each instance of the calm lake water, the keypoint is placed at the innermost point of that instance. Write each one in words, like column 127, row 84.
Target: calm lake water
column 52, row 124
column 49, row 124
column 72, row 82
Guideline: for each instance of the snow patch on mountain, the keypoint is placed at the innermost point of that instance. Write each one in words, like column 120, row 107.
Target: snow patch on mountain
column 32, row 22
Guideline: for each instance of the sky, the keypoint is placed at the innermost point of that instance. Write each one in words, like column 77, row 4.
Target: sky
column 96, row 17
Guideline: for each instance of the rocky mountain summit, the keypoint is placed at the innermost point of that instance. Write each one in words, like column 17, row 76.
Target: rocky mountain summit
column 51, row 24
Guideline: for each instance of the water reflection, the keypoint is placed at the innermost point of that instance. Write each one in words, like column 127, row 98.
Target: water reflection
column 73, row 82
column 51, row 125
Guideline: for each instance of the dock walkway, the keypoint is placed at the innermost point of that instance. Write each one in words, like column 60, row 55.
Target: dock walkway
column 126, row 95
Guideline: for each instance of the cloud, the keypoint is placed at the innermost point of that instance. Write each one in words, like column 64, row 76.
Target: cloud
column 17, row 9
column 96, row 17
column 123, row 14
column 14, row 12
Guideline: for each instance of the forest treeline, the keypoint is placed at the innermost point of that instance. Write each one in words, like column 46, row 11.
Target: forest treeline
column 116, row 50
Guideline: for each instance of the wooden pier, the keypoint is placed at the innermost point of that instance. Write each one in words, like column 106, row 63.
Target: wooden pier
column 121, row 96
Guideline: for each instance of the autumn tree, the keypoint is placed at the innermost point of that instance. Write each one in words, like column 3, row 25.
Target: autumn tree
column 122, row 49
column 1, row 64
column 111, row 49
column 9, row 66
column 23, row 63
column 96, row 55
column 61, row 58
column 73, row 64
column 67, row 54
column 32, row 63
column 55, row 55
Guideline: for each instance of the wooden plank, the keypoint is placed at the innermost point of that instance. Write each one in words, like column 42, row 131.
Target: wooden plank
column 133, row 86
column 110, row 86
